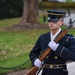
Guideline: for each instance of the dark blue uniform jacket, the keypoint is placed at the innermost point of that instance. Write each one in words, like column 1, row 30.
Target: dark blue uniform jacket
column 64, row 52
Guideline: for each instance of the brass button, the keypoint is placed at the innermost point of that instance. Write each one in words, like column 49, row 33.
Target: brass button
column 51, row 66
column 56, row 57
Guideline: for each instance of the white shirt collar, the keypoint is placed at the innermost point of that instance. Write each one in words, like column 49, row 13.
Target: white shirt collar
column 53, row 36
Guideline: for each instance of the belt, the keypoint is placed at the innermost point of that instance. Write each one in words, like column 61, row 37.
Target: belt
column 54, row 66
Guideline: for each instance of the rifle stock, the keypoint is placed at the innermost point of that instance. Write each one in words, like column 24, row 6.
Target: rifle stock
column 34, row 69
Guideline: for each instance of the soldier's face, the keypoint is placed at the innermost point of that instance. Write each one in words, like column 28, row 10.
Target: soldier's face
column 55, row 25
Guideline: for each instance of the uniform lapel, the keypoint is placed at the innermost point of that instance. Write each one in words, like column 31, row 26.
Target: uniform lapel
column 48, row 37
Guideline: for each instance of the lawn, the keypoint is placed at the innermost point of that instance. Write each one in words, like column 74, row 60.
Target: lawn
column 15, row 46
column 9, row 22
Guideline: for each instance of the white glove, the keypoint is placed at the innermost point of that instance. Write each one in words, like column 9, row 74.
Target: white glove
column 38, row 63
column 53, row 45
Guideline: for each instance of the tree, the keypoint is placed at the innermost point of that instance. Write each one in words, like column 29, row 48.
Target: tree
column 29, row 11
column 68, row 0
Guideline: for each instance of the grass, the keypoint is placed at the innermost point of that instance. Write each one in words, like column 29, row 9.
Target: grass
column 9, row 22
column 17, row 42
column 12, row 63
column 15, row 46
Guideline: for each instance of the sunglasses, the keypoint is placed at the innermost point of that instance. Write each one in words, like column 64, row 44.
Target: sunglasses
column 54, row 21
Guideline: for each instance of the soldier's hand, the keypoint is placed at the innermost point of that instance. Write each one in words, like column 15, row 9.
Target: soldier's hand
column 53, row 45
column 38, row 63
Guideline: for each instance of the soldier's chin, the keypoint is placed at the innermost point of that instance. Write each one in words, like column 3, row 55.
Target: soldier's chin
column 52, row 27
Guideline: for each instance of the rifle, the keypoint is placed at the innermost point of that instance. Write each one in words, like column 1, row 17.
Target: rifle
column 34, row 69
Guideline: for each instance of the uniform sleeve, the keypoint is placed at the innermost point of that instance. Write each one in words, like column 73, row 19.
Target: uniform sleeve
column 35, row 52
column 67, row 52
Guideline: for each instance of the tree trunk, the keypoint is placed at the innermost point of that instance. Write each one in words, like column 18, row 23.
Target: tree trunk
column 29, row 11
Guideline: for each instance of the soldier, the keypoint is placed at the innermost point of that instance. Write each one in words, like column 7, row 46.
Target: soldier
column 63, row 51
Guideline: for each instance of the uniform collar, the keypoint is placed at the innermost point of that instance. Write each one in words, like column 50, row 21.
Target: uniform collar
column 53, row 36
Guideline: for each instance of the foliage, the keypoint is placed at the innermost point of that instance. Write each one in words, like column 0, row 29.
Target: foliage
column 57, row 0
column 69, row 1
column 10, row 8
column 54, row 5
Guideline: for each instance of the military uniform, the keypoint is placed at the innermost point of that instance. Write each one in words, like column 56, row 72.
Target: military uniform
column 55, row 62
